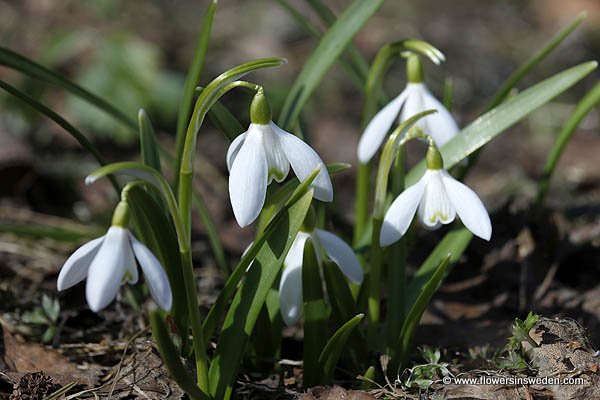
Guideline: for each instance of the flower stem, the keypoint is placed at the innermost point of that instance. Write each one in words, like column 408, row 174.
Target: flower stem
column 374, row 285
column 195, row 321
column 397, row 265
column 361, row 207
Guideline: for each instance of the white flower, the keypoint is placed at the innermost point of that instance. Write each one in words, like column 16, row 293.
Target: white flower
column 265, row 152
column 290, row 285
column 414, row 99
column 107, row 262
column 439, row 198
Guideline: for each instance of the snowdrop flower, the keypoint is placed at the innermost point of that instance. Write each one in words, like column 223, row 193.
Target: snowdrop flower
column 439, row 198
column 290, row 285
column 415, row 98
column 109, row 260
column 263, row 153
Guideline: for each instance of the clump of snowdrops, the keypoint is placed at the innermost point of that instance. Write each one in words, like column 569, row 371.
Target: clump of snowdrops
column 349, row 291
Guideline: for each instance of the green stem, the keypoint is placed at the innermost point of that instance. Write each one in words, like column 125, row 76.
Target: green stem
column 397, row 265
column 195, row 319
column 375, row 286
column 361, row 206
column 189, row 87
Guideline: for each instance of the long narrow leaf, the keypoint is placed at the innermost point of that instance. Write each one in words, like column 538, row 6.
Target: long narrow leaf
column 533, row 61
column 316, row 315
column 216, row 311
column 148, row 144
column 193, row 76
column 590, row 100
column 156, row 231
column 334, row 348
column 60, row 121
column 414, row 316
column 250, row 298
column 327, row 52
column 494, row 122
column 454, row 243
column 10, row 59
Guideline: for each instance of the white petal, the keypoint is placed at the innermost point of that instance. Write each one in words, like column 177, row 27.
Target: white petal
column 468, row 206
column 234, row 148
column 441, row 125
column 436, row 208
column 304, row 160
column 277, row 161
column 342, row 254
column 290, row 285
column 378, row 128
column 248, row 180
column 415, row 104
column 401, row 212
column 107, row 269
column 156, row 277
column 76, row 267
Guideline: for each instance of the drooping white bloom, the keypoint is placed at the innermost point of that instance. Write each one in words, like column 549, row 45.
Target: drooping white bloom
column 439, row 198
column 414, row 99
column 290, row 285
column 263, row 153
column 107, row 262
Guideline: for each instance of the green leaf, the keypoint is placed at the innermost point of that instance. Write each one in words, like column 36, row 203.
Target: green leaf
column 327, row 52
column 251, row 296
column 148, row 144
column 216, row 311
column 60, row 121
column 278, row 197
column 534, row 60
column 193, row 77
column 335, row 346
column 316, row 314
column 454, row 243
column 225, row 121
column 343, row 308
column 587, row 104
column 156, row 231
column 15, row 61
column 494, row 122
column 414, row 317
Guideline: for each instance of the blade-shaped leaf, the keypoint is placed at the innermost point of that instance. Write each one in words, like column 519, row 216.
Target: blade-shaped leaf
column 343, row 308
column 148, row 144
column 225, row 121
column 494, row 122
column 216, row 311
column 534, row 60
column 316, row 315
column 10, row 59
column 335, row 346
column 277, row 197
column 60, row 121
column 156, row 231
column 414, row 317
column 193, row 76
column 327, row 52
column 587, row 104
column 454, row 243
column 251, row 296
